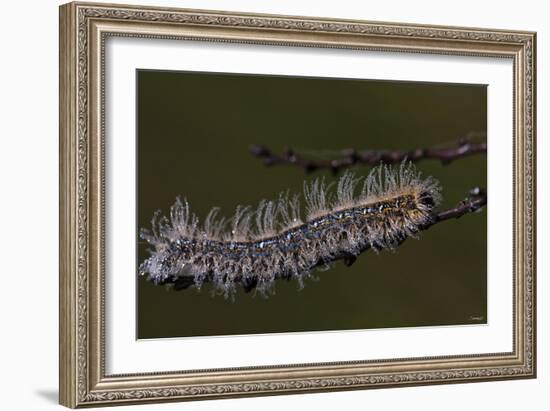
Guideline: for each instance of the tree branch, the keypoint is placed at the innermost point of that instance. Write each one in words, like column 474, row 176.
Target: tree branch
column 464, row 147
column 476, row 200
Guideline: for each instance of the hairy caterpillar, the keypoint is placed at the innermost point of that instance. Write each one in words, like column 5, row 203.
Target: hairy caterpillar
column 272, row 240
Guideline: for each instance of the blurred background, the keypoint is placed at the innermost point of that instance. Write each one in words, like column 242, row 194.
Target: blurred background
column 194, row 133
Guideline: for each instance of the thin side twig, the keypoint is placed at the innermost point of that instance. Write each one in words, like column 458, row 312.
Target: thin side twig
column 476, row 200
column 464, row 147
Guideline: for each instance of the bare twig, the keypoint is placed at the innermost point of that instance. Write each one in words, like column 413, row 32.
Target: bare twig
column 349, row 157
column 476, row 200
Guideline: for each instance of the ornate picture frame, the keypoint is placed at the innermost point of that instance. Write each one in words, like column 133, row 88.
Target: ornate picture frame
column 84, row 30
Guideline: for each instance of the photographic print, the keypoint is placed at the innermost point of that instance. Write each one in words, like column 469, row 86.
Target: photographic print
column 277, row 204
column 294, row 204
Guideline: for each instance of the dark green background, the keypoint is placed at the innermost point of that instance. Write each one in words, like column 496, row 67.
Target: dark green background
column 194, row 130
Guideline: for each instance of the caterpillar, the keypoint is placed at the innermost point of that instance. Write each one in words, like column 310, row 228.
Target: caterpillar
column 273, row 241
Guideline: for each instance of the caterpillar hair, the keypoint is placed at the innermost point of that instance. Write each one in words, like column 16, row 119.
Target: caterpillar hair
column 258, row 245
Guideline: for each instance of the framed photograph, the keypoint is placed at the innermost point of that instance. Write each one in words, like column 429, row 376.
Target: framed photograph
column 260, row 204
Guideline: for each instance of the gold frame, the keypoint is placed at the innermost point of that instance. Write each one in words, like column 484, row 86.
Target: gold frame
column 83, row 30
